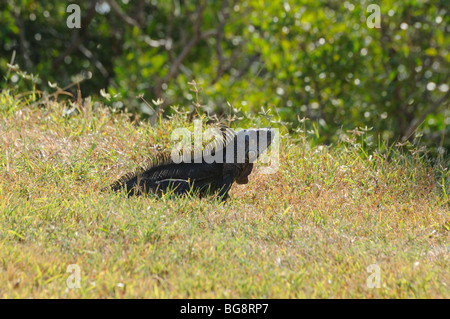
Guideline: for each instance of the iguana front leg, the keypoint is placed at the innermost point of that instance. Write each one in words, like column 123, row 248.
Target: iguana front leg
column 225, row 188
column 230, row 173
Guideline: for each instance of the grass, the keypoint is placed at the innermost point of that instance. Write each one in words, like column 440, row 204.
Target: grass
column 311, row 230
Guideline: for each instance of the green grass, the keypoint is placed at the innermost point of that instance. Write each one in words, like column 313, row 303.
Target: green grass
column 310, row 230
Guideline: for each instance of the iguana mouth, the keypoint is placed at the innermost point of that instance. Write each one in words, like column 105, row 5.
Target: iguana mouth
column 242, row 180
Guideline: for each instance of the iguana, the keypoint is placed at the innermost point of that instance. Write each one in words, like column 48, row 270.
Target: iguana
column 215, row 169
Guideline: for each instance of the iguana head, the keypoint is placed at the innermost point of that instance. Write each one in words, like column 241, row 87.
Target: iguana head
column 256, row 141
column 249, row 145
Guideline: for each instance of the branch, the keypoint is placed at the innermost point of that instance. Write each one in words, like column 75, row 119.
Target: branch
column 126, row 18
column 245, row 69
column 88, row 54
column 198, row 36
column 222, row 17
column 77, row 36
column 416, row 122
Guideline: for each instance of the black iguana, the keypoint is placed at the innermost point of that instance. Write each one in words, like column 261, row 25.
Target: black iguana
column 215, row 169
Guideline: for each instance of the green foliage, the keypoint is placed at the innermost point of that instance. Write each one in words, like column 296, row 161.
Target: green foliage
column 316, row 59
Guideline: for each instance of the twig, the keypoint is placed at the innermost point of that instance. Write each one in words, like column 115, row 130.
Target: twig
column 87, row 53
column 198, row 36
column 417, row 122
column 11, row 63
column 126, row 18
column 77, row 36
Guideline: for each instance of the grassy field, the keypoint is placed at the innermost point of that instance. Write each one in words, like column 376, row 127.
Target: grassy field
column 311, row 230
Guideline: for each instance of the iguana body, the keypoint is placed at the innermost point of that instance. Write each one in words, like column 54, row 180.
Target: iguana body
column 237, row 152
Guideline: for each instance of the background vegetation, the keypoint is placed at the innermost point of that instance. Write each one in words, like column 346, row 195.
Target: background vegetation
column 310, row 58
